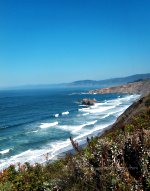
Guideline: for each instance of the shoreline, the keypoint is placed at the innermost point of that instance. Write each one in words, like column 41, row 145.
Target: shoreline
column 106, row 130
column 96, row 133
column 83, row 145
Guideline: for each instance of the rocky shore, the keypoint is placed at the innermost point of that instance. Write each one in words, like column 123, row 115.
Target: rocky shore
column 141, row 87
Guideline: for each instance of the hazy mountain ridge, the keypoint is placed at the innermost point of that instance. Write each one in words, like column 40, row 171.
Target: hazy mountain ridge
column 112, row 81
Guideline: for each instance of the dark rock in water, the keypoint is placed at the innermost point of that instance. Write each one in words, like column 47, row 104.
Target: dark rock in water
column 88, row 101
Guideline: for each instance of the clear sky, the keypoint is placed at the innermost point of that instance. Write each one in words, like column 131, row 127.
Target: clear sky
column 53, row 41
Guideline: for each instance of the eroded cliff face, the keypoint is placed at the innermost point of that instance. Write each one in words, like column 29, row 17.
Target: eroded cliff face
column 142, row 87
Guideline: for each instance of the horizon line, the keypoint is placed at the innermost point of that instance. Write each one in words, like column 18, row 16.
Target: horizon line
column 63, row 83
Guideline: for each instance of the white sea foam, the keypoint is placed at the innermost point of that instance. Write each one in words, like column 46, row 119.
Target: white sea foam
column 96, row 110
column 72, row 128
column 105, row 116
column 47, row 125
column 112, row 107
column 91, row 123
column 23, row 157
column 76, row 128
column 96, row 105
column 52, row 150
column 4, row 151
column 87, row 133
column 130, row 98
column 56, row 115
column 109, row 106
column 65, row 113
column 34, row 156
column 23, row 154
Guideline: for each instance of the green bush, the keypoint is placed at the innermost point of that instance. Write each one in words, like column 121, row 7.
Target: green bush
column 129, row 128
column 6, row 186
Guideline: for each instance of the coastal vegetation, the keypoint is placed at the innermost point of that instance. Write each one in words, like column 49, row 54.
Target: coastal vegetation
column 118, row 160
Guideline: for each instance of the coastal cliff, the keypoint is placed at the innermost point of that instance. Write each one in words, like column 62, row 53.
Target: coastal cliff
column 141, row 87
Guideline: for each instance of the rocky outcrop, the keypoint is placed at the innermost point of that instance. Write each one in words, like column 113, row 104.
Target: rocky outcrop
column 141, row 87
column 88, row 101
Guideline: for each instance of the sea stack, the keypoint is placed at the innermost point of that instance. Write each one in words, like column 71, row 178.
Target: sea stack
column 87, row 101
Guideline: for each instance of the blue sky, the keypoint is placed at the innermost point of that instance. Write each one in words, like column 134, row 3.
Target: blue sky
column 54, row 41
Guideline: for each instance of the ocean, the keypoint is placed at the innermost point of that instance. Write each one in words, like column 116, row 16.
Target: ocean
column 35, row 124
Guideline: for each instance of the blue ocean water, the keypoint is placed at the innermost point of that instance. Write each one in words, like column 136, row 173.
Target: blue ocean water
column 36, row 122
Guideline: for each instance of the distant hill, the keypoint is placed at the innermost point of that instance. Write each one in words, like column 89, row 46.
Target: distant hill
column 111, row 82
column 139, row 87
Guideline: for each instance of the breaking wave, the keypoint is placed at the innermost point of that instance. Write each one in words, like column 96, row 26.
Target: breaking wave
column 65, row 113
column 82, row 122
column 4, row 151
column 47, row 125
